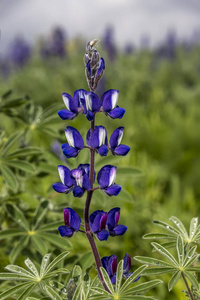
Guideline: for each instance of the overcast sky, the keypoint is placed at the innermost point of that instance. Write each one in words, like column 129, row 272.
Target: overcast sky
column 130, row 18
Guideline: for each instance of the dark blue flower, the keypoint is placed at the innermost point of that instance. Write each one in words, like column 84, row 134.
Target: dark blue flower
column 98, row 140
column 91, row 104
column 106, row 178
column 103, row 224
column 66, row 184
column 109, row 100
column 86, row 168
column 73, row 105
column 114, row 144
column 72, row 223
column 75, row 142
column 109, row 263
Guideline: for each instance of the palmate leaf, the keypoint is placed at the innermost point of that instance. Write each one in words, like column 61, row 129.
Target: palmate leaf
column 153, row 261
column 54, row 239
column 180, row 226
column 174, row 279
column 158, row 271
column 119, row 275
column 167, row 227
column 193, row 227
column 133, row 277
column 10, row 142
column 19, row 270
column 44, row 263
column 59, row 258
column 8, row 233
column 143, row 287
column 164, row 252
column 50, row 226
column 13, row 290
column 180, row 249
column 27, row 291
column 52, row 293
column 40, row 214
column 157, row 235
column 24, row 152
column 107, row 280
column 40, row 244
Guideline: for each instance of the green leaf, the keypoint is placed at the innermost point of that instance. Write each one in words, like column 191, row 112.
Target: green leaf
column 52, row 293
column 152, row 261
column 192, row 280
column 39, row 243
column 193, row 227
column 50, row 226
column 10, row 276
column 49, row 131
column 159, row 236
column 47, row 168
column 133, row 277
column 77, row 292
column 21, row 164
column 11, row 291
column 7, row 233
column 31, row 267
column 40, row 213
column 77, row 271
column 119, row 275
column 86, row 260
column 27, row 292
column 107, row 160
column 24, row 152
column 107, row 280
column 11, row 140
column 124, row 195
column 56, row 273
column 23, row 242
column 193, row 269
column 180, row 249
column 9, row 177
column 129, row 171
column 164, row 252
column 18, row 270
column 190, row 261
column 180, row 226
column 44, row 263
column 158, row 271
column 59, row 258
column 174, row 279
column 17, row 215
column 166, row 226
column 138, row 298
column 143, row 287
column 55, row 240
column 5, row 95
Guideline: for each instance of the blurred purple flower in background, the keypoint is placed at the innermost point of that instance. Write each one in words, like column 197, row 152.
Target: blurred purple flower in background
column 109, row 43
column 19, row 52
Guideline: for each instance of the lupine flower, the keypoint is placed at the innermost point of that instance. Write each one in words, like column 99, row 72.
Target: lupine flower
column 86, row 168
column 76, row 180
column 104, row 224
column 114, row 144
column 98, row 140
column 106, row 178
column 109, row 263
column 109, row 43
column 110, row 108
column 72, row 223
column 75, row 142
column 20, row 52
column 73, row 105
column 91, row 104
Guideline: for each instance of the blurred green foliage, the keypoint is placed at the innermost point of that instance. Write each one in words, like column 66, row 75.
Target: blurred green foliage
column 162, row 102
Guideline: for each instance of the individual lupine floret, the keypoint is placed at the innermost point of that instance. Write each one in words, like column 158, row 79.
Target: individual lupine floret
column 106, row 180
column 75, row 142
column 76, row 180
column 98, row 140
column 73, row 105
column 72, row 223
column 103, row 224
column 114, row 143
column 109, row 263
column 110, row 108
column 91, row 104
column 86, row 168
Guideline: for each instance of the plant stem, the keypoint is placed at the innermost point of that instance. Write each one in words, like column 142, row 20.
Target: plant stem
column 187, row 286
column 88, row 232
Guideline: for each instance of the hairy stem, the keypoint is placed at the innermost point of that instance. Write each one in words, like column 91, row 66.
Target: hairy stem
column 88, row 232
column 187, row 286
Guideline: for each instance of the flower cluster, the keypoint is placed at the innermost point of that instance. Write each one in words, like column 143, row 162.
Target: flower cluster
column 81, row 179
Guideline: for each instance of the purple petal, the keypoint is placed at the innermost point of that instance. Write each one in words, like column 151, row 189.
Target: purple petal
column 113, row 190
column 79, row 96
column 116, row 113
column 65, row 175
column 92, row 102
column 118, row 230
column 104, row 262
column 116, row 137
column 88, row 66
column 106, row 176
column 102, row 235
column 70, row 103
column 112, row 265
column 74, row 138
column 65, row 231
column 60, row 187
column 72, row 219
column 65, row 114
column 127, row 263
column 89, row 115
column 69, row 151
column 78, row 191
column 103, row 150
column 97, row 138
column 95, row 220
column 113, row 279
column 86, row 183
column 113, row 218
column 101, row 66
column 121, row 150
column 109, row 100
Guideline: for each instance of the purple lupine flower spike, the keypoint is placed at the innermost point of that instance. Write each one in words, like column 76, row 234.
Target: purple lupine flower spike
column 112, row 223
column 66, row 184
column 98, row 224
column 75, row 142
column 72, row 223
column 98, row 140
column 114, row 144
column 72, row 104
column 106, row 178
column 109, row 100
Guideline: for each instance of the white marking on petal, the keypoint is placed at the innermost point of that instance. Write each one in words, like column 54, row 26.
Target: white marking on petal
column 70, row 138
column 121, row 132
column 114, row 98
column 66, row 101
column 102, row 136
column 88, row 102
column 113, row 173
column 77, row 174
column 61, row 174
